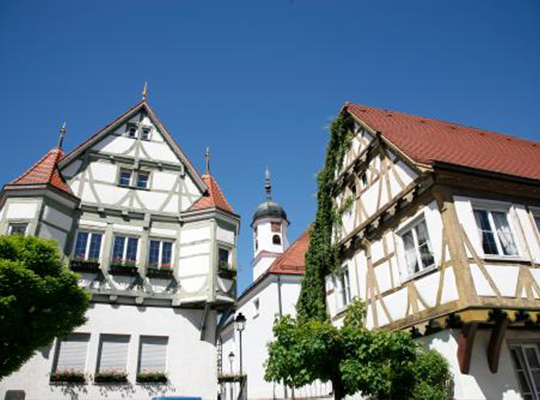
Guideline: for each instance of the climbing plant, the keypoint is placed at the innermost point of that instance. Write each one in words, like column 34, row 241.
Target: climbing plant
column 322, row 254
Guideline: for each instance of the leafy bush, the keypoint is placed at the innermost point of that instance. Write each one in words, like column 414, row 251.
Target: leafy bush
column 68, row 376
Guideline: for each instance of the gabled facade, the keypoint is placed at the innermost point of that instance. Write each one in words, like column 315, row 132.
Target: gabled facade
column 443, row 239
column 155, row 246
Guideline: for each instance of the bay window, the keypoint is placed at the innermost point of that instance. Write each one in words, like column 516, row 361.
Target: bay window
column 495, row 232
column 417, row 246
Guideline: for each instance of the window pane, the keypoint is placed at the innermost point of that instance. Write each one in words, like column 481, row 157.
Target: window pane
column 153, row 257
column 223, row 256
column 532, row 358
column 166, row 254
column 520, row 366
column 537, row 220
column 486, row 233
column 95, row 246
column 142, row 181
column 118, row 250
column 18, row 229
column 125, row 178
column 503, row 231
column 410, row 253
column 424, row 246
column 145, row 134
column 72, row 353
column 80, row 245
column 153, row 354
column 131, row 254
column 113, row 355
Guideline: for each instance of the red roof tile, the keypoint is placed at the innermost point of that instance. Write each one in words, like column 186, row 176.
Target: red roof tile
column 428, row 140
column 45, row 171
column 292, row 261
column 213, row 198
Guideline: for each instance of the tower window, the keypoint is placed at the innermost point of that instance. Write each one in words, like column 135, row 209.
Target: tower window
column 276, row 227
column 276, row 240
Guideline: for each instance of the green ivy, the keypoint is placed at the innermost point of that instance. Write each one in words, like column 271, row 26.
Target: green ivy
column 322, row 256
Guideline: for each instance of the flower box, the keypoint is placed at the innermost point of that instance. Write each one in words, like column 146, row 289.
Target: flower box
column 80, row 265
column 226, row 271
column 123, row 267
column 151, row 377
column 231, row 378
column 68, row 376
column 111, row 377
column 162, row 273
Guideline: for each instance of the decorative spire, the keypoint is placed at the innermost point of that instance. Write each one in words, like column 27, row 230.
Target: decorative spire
column 267, row 185
column 207, row 161
column 145, row 91
column 61, row 137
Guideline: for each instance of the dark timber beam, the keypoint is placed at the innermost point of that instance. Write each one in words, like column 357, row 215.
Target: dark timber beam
column 465, row 346
column 498, row 334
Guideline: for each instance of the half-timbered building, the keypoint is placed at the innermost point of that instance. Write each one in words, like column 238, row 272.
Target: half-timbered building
column 443, row 240
column 154, row 243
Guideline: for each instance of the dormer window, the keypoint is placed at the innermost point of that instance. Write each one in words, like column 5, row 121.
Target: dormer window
column 145, row 133
column 276, row 239
column 131, row 130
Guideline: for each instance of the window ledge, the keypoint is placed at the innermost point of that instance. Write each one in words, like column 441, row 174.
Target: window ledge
column 425, row 271
column 489, row 257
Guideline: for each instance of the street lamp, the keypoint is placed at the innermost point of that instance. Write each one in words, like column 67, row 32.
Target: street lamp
column 240, row 324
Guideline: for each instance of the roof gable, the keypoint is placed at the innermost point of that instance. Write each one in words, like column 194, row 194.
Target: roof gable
column 428, row 140
column 142, row 106
column 45, row 171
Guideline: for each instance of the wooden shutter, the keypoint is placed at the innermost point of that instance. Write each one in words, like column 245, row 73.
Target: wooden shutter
column 153, row 353
column 72, row 353
column 114, row 351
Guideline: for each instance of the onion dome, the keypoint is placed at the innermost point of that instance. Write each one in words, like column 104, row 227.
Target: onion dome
column 269, row 208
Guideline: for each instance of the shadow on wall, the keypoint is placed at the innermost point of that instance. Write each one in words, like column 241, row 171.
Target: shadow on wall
column 480, row 383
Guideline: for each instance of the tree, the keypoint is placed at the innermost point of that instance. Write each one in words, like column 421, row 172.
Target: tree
column 379, row 364
column 39, row 299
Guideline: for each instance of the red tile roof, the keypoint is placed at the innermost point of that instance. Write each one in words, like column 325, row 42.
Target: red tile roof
column 292, row 261
column 213, row 198
column 45, row 171
column 428, row 140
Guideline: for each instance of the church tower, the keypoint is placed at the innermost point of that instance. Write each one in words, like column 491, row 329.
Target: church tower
column 269, row 232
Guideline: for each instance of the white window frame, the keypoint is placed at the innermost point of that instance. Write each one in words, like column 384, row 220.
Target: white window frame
column 126, row 238
column 411, row 227
column 136, row 126
column 160, row 252
column 130, row 177
column 58, row 348
column 342, row 288
column 521, row 345
column 87, row 250
column 507, row 208
column 148, row 129
column 137, row 174
column 13, row 224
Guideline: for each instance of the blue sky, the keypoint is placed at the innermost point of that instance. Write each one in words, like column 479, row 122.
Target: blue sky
column 258, row 81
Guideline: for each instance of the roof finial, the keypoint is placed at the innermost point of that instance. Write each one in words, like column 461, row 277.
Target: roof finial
column 61, row 138
column 145, row 90
column 267, row 185
column 207, row 161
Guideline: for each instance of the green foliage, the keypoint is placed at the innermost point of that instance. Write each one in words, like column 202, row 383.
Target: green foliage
column 379, row 364
column 152, row 377
column 322, row 255
column 39, row 299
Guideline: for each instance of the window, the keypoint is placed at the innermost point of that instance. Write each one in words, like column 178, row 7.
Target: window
column 160, row 254
column 537, row 220
column 131, row 130
column 145, row 134
column 526, row 359
column 153, row 354
column 71, row 353
column 495, row 232
column 87, row 245
column 276, row 240
column 18, row 229
column 342, row 287
column 256, row 307
column 113, row 351
column 363, row 179
column 125, row 249
column 418, row 251
column 142, row 180
column 224, row 257
column 125, row 177
column 276, row 227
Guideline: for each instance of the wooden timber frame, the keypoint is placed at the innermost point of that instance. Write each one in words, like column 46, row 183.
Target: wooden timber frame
column 440, row 183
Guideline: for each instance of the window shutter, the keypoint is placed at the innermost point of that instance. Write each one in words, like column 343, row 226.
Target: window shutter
column 72, row 353
column 153, row 354
column 114, row 350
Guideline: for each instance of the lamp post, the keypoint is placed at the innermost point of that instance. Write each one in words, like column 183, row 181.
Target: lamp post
column 240, row 324
column 231, row 360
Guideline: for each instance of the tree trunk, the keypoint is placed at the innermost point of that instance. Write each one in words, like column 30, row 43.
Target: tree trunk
column 339, row 391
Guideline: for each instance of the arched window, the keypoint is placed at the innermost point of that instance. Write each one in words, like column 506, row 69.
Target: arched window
column 276, row 239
